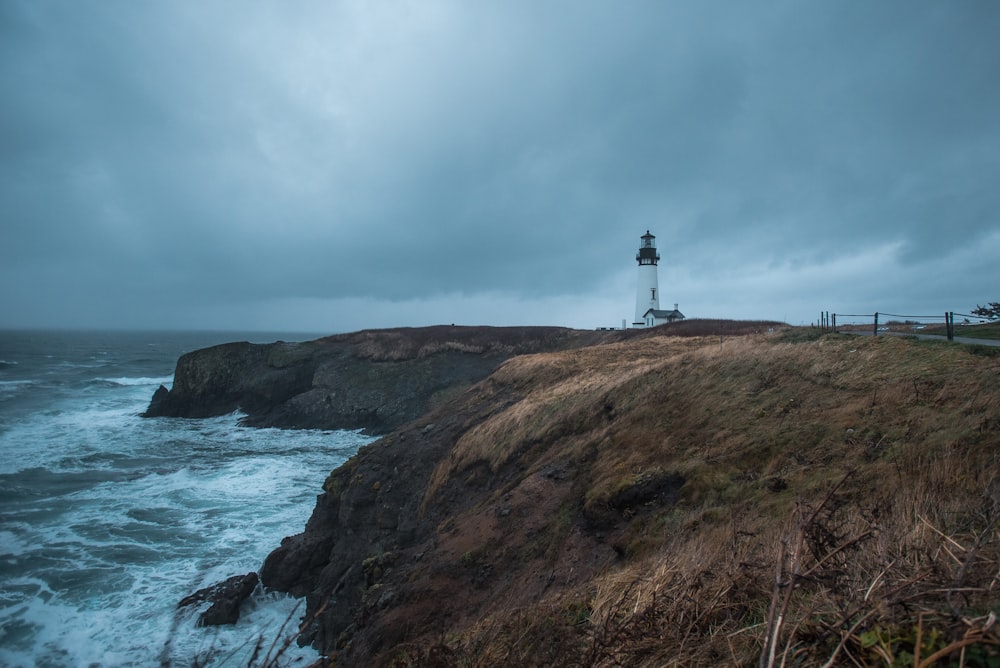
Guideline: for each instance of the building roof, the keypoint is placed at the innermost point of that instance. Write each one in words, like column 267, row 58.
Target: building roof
column 664, row 315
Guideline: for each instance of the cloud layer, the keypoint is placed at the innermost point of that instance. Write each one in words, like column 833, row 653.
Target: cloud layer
column 338, row 165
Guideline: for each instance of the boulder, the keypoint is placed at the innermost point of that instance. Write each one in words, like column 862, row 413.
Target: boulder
column 226, row 598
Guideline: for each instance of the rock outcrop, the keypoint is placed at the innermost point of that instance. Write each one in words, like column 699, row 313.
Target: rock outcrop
column 375, row 380
column 620, row 503
column 615, row 500
column 421, row 526
column 226, row 598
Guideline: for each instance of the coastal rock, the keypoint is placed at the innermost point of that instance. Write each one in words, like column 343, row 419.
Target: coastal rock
column 375, row 380
column 522, row 519
column 159, row 397
column 497, row 496
column 370, row 507
column 226, row 598
column 229, row 377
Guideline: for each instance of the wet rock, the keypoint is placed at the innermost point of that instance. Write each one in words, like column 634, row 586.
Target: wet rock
column 226, row 598
column 157, row 402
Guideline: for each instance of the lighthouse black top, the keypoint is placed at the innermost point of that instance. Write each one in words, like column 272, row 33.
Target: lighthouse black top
column 647, row 250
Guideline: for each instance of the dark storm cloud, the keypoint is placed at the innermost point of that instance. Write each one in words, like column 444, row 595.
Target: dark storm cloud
column 165, row 156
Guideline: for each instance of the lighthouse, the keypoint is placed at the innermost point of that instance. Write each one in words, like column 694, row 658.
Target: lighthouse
column 647, row 293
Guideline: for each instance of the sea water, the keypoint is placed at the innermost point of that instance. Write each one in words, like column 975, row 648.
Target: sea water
column 108, row 519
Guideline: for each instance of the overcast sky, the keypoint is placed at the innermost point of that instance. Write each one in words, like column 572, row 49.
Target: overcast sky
column 330, row 166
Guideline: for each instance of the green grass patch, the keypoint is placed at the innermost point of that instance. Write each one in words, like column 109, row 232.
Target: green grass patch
column 970, row 348
column 982, row 351
column 990, row 330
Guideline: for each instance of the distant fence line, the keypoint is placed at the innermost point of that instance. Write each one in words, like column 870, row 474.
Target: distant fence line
column 828, row 320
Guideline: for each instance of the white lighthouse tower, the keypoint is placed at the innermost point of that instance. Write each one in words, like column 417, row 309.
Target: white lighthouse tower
column 647, row 294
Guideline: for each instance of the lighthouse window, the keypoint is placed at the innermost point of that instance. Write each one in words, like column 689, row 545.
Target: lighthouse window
column 653, row 291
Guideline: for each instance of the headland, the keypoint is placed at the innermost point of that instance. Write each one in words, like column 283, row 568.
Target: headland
column 724, row 494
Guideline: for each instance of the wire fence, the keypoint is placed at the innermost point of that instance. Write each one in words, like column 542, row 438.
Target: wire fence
column 894, row 322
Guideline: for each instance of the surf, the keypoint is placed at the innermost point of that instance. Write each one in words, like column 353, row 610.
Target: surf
column 110, row 519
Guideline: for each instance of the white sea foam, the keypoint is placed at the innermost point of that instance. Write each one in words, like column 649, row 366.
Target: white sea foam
column 138, row 545
column 14, row 385
column 129, row 382
column 138, row 627
column 11, row 544
column 111, row 519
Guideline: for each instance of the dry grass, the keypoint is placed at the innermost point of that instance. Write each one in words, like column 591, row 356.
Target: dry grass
column 558, row 395
column 406, row 343
column 714, row 327
column 839, row 503
column 840, row 583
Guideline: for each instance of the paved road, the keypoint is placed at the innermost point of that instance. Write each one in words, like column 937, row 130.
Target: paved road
column 932, row 337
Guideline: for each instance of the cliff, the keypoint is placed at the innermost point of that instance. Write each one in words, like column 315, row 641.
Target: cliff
column 701, row 500
column 375, row 379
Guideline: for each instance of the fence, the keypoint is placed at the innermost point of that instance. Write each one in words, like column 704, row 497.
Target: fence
column 828, row 321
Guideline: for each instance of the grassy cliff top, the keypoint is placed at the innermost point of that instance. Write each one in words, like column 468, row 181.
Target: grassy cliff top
column 706, row 500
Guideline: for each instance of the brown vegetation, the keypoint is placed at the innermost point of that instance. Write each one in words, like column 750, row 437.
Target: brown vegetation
column 407, row 343
column 785, row 499
column 713, row 327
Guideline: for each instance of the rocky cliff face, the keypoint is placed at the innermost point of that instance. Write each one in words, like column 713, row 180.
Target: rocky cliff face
column 375, row 380
column 627, row 498
column 472, row 503
column 620, row 504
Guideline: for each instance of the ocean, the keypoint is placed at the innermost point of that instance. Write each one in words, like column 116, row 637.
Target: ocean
column 108, row 519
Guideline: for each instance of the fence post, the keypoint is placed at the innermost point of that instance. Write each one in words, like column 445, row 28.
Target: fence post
column 949, row 319
column 834, row 322
column 875, row 327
